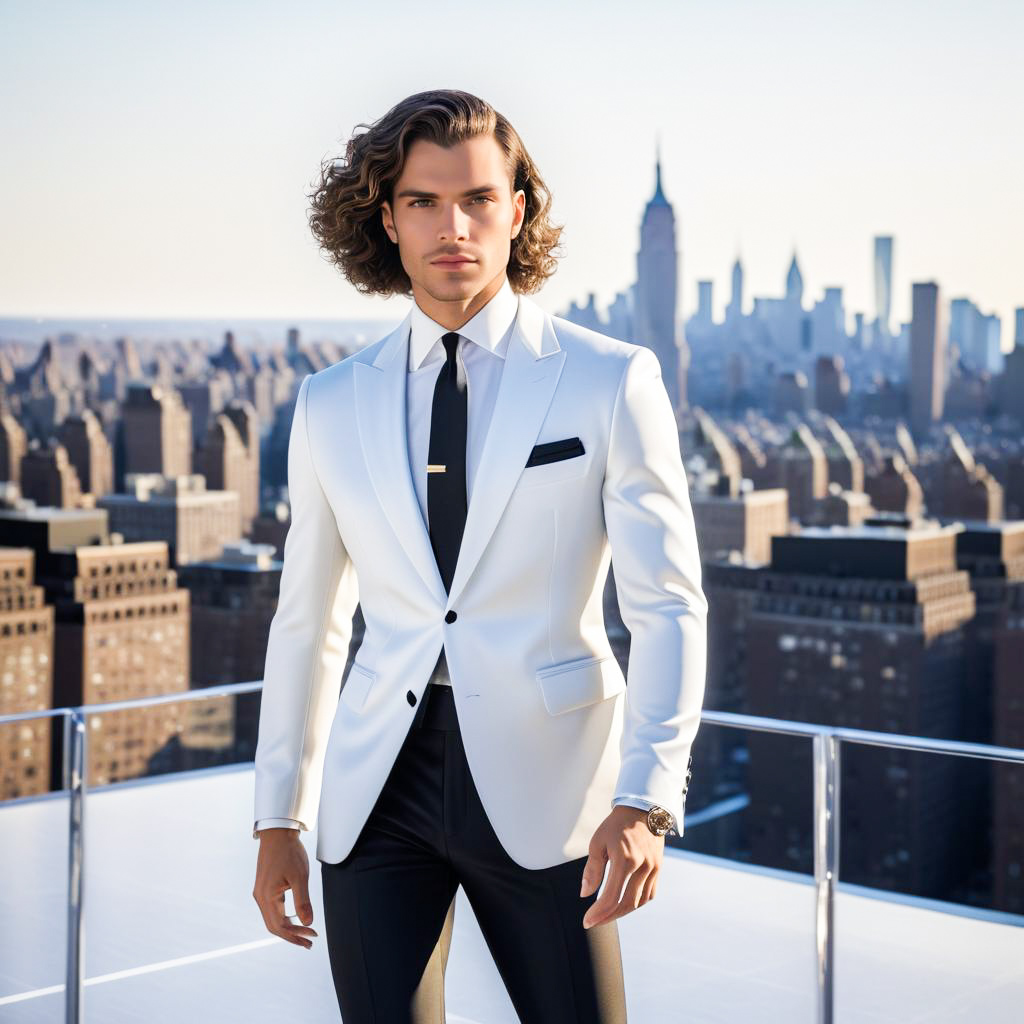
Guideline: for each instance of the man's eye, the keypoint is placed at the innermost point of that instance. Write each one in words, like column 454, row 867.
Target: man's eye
column 485, row 199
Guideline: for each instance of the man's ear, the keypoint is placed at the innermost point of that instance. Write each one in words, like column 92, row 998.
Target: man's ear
column 388, row 221
column 519, row 202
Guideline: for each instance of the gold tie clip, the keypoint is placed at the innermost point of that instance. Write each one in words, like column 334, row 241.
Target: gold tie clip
column 435, row 469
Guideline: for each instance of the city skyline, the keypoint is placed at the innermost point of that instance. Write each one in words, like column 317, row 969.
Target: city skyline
column 807, row 135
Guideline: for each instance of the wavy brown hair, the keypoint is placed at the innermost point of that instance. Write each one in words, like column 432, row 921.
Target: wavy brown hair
column 345, row 213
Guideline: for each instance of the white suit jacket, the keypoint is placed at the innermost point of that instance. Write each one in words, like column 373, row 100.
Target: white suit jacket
column 552, row 732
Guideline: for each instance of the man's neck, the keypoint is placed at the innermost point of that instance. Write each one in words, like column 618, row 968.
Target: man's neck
column 453, row 314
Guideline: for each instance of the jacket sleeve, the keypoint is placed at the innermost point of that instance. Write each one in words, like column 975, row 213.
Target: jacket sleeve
column 307, row 648
column 657, row 571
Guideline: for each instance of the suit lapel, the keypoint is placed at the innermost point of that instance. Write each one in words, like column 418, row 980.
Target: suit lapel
column 380, row 414
column 533, row 363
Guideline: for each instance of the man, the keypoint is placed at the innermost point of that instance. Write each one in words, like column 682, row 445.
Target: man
column 467, row 480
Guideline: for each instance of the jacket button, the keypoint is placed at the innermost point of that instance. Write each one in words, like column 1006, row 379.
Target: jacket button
column 410, row 697
column 450, row 617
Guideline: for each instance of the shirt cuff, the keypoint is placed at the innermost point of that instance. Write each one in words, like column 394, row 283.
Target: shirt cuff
column 275, row 823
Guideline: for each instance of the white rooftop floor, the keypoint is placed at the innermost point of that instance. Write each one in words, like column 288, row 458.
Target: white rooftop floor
column 173, row 934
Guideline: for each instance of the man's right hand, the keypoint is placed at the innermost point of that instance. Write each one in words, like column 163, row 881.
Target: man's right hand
column 282, row 864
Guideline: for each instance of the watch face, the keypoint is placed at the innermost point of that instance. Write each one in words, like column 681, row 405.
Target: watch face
column 659, row 821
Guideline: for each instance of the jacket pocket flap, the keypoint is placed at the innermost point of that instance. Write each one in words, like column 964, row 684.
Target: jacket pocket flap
column 357, row 686
column 575, row 684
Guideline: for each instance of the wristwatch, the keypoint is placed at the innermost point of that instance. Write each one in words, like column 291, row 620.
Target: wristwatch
column 660, row 821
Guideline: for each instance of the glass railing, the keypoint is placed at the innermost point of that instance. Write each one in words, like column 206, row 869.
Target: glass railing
column 827, row 745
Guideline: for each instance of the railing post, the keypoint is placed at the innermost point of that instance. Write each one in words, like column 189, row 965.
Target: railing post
column 826, row 865
column 75, row 733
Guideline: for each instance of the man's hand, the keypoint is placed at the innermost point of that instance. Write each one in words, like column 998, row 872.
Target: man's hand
column 282, row 864
column 634, row 854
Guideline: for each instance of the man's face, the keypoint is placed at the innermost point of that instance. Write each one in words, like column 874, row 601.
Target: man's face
column 454, row 202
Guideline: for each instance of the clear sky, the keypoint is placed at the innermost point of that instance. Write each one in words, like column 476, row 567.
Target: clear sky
column 157, row 155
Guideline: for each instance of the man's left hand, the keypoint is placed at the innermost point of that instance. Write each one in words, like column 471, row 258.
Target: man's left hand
column 633, row 854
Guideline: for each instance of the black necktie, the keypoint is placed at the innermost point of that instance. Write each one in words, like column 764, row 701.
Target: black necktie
column 446, row 465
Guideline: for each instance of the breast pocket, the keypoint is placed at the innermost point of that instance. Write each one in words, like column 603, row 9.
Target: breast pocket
column 556, row 461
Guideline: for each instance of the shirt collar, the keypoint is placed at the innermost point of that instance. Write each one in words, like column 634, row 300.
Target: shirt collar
column 489, row 327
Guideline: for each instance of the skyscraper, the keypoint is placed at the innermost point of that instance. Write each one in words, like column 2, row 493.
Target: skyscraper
column 26, row 646
column 705, row 293
column 735, row 307
column 657, row 274
column 794, row 284
column 976, row 335
column 883, row 281
column 157, row 430
column 927, row 358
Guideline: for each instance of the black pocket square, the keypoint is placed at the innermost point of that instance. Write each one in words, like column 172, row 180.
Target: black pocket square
column 553, row 451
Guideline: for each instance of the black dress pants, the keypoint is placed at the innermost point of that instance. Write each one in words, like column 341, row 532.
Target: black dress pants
column 389, row 905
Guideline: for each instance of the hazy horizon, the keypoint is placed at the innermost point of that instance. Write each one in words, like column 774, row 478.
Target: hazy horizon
column 160, row 156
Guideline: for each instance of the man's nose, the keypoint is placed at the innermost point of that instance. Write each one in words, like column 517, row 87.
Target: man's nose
column 454, row 223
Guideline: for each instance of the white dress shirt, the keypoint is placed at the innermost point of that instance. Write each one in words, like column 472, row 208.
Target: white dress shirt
column 480, row 357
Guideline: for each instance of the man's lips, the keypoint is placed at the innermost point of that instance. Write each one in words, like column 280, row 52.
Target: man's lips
column 453, row 261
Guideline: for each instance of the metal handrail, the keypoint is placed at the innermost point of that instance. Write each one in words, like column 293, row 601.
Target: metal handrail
column 74, row 780
column 827, row 742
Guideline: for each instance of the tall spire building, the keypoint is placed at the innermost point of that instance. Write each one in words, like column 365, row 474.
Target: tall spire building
column 735, row 308
column 795, row 284
column 657, row 268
